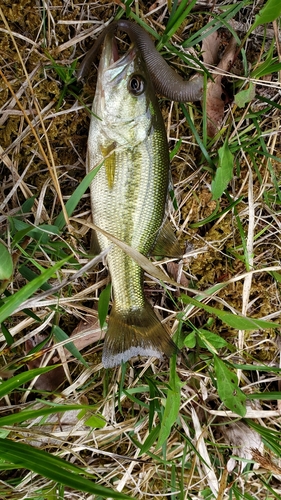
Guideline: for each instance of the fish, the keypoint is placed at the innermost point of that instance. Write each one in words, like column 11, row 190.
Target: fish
column 127, row 139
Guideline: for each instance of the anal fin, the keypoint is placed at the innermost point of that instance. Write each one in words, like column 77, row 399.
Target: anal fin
column 166, row 244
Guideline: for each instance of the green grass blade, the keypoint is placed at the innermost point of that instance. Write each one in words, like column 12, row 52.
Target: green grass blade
column 216, row 215
column 271, row 490
column 172, row 406
column 30, row 275
column 8, row 337
column 258, row 368
column 12, row 383
column 54, row 468
column 143, row 24
column 269, row 436
column 24, row 415
column 216, row 23
column 14, row 301
column 6, row 263
column 234, row 320
column 73, row 201
column 60, row 336
column 176, row 19
column 196, row 135
column 150, row 440
column 265, row 396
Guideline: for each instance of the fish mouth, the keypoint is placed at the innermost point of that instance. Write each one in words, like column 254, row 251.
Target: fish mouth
column 113, row 68
column 112, row 60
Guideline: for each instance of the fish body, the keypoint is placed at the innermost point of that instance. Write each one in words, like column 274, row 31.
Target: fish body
column 128, row 195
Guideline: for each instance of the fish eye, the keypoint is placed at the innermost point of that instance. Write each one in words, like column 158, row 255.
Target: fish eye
column 136, row 85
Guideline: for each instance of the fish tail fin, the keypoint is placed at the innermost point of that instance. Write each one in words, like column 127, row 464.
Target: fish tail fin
column 138, row 332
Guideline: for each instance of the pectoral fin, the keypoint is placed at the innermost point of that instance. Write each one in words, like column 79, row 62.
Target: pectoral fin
column 94, row 244
column 109, row 163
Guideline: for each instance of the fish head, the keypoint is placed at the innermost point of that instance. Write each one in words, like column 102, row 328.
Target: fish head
column 125, row 99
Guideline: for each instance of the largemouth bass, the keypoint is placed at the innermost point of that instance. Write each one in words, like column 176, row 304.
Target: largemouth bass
column 128, row 195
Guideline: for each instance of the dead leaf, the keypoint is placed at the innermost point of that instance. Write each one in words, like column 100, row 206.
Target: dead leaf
column 155, row 5
column 241, row 439
column 176, row 272
column 52, row 380
column 265, row 462
column 47, row 381
column 90, row 328
column 210, row 49
column 56, row 427
column 216, row 94
column 118, row 2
